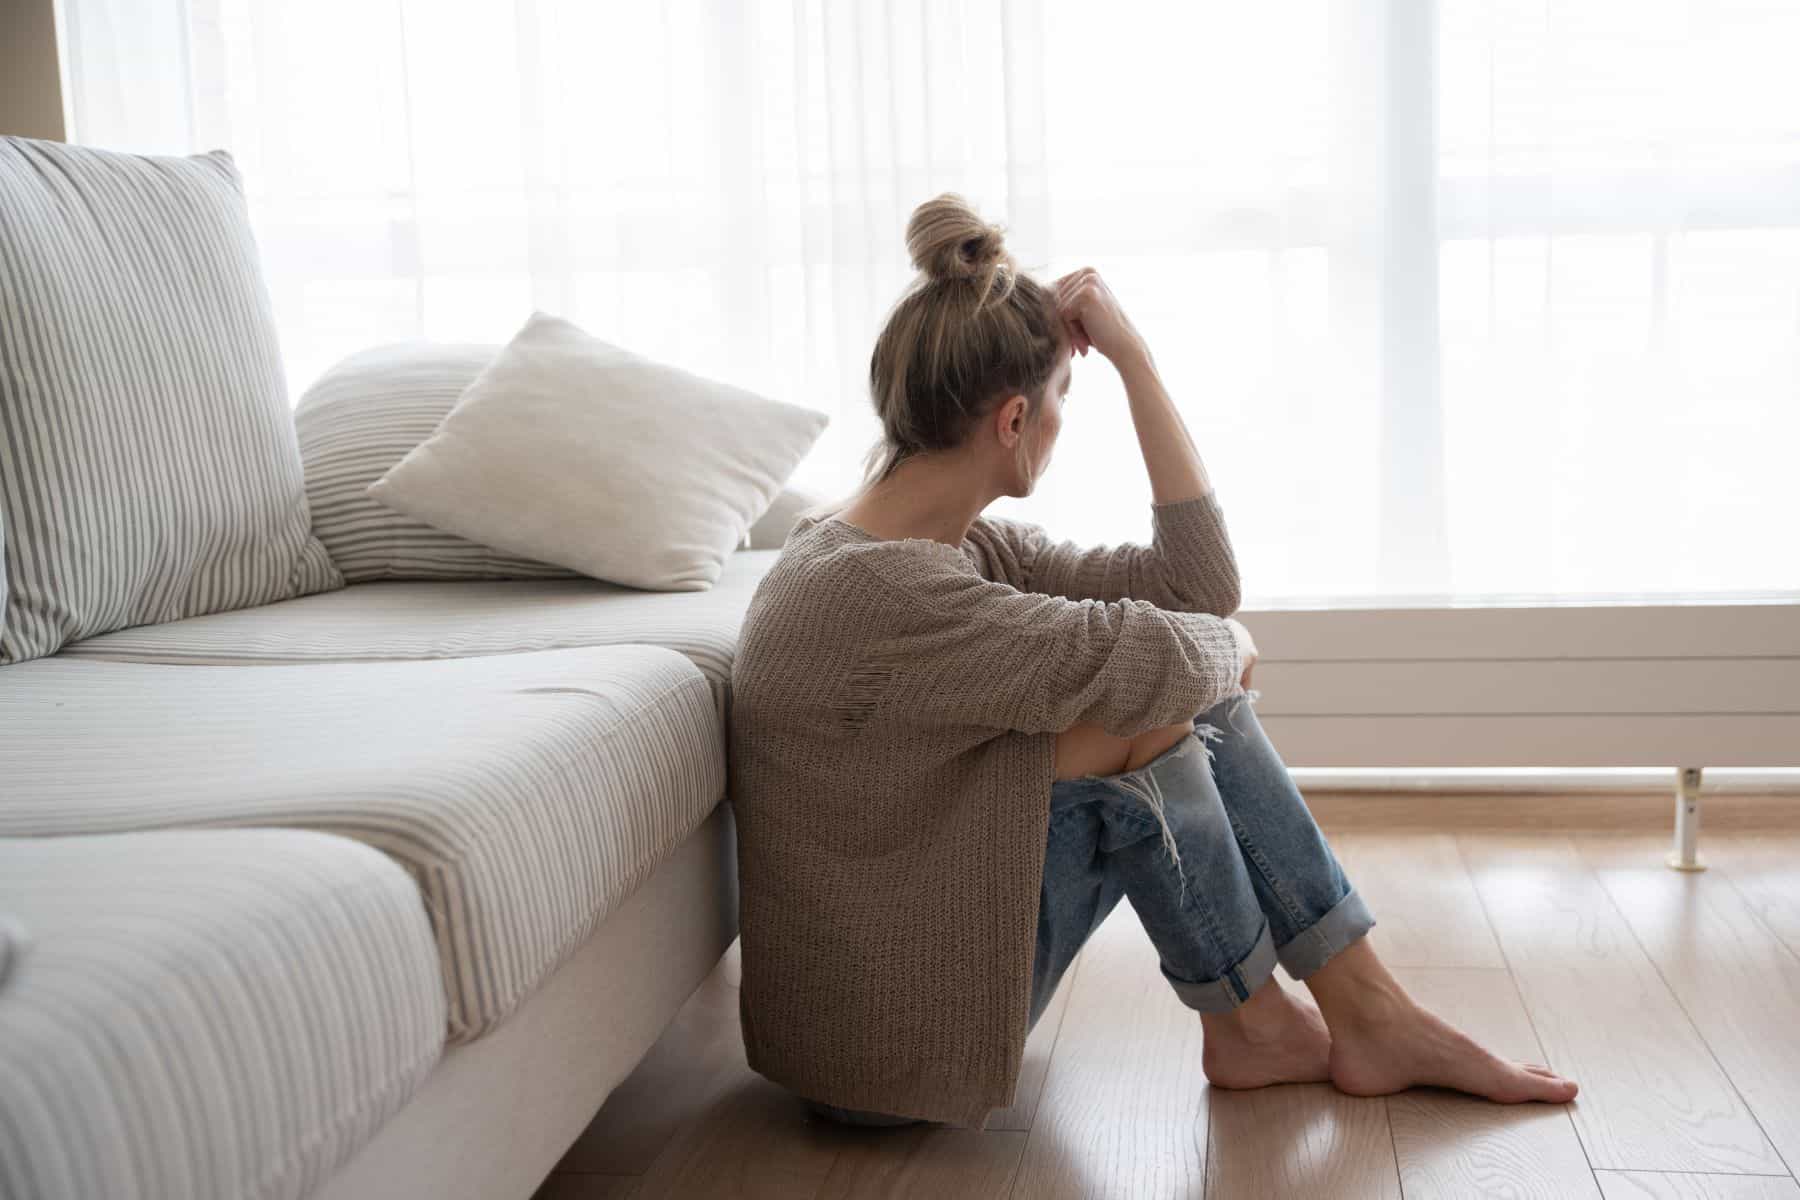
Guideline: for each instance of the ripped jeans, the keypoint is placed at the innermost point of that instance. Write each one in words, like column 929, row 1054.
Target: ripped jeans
column 1224, row 866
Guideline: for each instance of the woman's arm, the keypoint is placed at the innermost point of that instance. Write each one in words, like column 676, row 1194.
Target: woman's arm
column 963, row 650
column 1095, row 318
column 1189, row 565
column 1170, row 456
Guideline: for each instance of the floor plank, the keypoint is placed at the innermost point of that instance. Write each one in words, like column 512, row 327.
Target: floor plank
column 1647, row 1185
column 588, row 1187
column 1426, row 911
column 1689, row 923
column 1738, row 983
column 691, row 1065
column 1122, row 1112
column 1653, row 1097
column 1765, row 869
column 694, row 1120
column 925, row 1163
column 756, row 1141
column 1544, row 905
column 1450, row 1145
column 1300, row 1140
column 1672, row 998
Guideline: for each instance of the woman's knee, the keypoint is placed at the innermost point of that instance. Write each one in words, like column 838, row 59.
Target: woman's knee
column 1178, row 799
column 1152, row 742
column 1087, row 749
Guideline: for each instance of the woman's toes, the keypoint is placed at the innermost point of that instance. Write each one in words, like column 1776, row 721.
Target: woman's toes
column 1544, row 1084
column 1558, row 1089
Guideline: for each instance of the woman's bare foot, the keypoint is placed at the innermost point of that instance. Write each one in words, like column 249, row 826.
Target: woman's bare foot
column 1273, row 1037
column 1383, row 1042
column 1410, row 1047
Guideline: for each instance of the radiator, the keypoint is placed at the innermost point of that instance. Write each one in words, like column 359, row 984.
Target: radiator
column 1682, row 686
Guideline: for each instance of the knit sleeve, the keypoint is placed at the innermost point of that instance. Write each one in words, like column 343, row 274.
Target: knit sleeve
column 963, row 650
column 1188, row 566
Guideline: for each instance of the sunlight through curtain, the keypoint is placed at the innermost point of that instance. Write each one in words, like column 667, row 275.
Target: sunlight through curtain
column 1463, row 300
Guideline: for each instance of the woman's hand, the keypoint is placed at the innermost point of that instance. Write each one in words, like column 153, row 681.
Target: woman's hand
column 1246, row 648
column 1094, row 317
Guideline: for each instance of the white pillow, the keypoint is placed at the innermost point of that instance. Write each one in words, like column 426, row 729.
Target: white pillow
column 572, row 451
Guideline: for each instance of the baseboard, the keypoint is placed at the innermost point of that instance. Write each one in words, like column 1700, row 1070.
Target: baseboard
column 1726, row 812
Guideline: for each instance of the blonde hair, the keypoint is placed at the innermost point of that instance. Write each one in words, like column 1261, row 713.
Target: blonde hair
column 969, row 331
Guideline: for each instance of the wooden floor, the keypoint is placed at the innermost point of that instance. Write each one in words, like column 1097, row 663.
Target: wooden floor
column 1673, row 999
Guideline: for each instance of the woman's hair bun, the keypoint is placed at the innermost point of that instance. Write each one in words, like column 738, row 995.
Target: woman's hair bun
column 948, row 240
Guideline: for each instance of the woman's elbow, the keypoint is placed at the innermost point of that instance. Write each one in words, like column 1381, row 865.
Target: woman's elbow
column 1218, row 596
column 1227, row 596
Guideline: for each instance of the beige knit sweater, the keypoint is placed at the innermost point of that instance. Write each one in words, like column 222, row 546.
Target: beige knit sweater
column 895, row 705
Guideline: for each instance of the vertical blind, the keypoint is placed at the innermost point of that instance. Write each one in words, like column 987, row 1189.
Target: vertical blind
column 1464, row 301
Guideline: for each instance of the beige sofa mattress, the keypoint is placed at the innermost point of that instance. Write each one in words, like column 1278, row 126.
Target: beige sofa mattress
column 205, row 1013
column 380, row 621
column 527, row 794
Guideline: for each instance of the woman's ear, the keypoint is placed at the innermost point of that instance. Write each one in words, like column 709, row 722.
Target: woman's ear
column 1014, row 412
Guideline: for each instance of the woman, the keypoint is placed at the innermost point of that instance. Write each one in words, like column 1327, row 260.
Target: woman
column 955, row 743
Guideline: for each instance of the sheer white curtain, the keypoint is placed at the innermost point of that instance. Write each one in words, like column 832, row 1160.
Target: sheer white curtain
column 1460, row 299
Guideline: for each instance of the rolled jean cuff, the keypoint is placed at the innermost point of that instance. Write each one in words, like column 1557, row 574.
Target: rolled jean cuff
column 1235, row 986
column 1319, row 942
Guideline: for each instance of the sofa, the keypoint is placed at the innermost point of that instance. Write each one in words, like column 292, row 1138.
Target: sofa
column 374, row 885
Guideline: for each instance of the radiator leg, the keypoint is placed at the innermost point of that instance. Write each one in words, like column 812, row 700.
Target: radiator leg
column 1686, row 855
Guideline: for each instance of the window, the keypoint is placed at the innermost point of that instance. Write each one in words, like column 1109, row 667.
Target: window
column 1461, row 300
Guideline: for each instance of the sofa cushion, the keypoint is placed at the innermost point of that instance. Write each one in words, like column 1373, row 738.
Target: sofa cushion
column 577, row 451
column 148, row 466
column 206, row 1013
column 355, row 422
column 528, row 794
column 381, row 621
column 368, row 412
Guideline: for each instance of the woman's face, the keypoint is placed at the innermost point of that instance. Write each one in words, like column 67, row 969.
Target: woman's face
column 1039, row 442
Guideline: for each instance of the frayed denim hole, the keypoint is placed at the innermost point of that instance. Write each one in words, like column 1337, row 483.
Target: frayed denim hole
column 1204, row 916
column 1203, row 734
column 1151, row 794
column 1250, row 696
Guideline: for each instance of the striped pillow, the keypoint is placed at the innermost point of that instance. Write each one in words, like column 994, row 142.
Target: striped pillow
column 148, row 467
column 364, row 415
